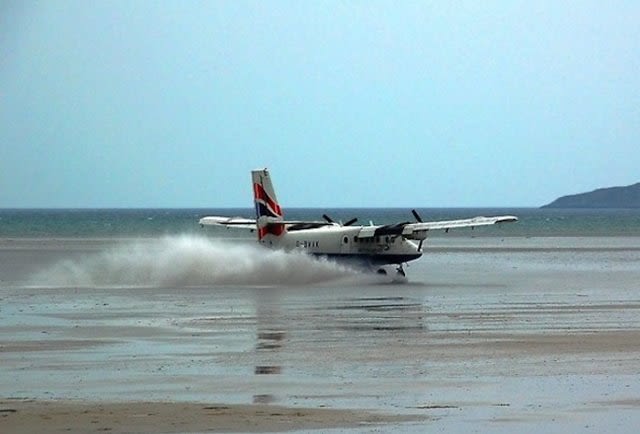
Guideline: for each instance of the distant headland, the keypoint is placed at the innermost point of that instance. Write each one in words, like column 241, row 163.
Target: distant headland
column 612, row 197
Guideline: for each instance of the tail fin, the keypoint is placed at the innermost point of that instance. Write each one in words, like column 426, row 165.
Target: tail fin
column 268, row 211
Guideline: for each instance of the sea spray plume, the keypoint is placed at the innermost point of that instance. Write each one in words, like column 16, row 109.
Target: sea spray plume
column 187, row 260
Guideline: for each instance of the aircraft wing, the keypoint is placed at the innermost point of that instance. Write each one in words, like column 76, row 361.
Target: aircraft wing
column 419, row 228
column 416, row 230
column 235, row 222
column 245, row 223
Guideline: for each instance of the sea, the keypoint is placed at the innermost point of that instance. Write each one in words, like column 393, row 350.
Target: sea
column 144, row 223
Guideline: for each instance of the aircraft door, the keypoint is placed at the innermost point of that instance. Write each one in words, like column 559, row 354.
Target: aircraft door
column 345, row 244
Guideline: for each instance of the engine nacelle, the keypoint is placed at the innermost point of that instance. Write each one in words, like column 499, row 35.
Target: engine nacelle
column 418, row 235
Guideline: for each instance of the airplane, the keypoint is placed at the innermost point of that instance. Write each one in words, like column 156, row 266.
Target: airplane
column 369, row 246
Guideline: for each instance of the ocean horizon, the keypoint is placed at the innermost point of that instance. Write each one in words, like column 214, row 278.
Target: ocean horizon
column 153, row 222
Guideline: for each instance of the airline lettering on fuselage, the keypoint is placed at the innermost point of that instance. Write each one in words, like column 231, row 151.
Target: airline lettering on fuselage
column 307, row 244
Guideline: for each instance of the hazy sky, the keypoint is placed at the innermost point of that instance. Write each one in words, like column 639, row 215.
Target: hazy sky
column 349, row 103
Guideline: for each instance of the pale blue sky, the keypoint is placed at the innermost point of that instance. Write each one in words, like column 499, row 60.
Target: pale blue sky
column 349, row 103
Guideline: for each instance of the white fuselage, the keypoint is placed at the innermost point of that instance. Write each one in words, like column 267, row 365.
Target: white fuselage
column 346, row 243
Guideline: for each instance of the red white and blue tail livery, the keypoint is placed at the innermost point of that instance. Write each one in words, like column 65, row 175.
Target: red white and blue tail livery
column 371, row 246
column 268, row 211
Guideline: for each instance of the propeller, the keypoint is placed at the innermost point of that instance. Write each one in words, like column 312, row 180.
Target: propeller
column 327, row 218
column 416, row 215
column 419, row 220
column 348, row 223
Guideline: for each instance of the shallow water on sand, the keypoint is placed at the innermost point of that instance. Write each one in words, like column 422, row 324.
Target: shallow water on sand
column 520, row 334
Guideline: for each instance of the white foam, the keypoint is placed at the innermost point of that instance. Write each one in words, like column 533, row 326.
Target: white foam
column 188, row 260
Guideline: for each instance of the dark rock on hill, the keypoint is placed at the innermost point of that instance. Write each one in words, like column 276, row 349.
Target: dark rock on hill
column 613, row 197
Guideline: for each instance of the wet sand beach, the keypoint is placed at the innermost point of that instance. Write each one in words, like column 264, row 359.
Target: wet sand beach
column 29, row 416
column 488, row 335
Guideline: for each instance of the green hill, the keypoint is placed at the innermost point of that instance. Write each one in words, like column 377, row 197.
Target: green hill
column 612, row 197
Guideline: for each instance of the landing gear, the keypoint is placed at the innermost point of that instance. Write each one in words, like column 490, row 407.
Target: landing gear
column 399, row 277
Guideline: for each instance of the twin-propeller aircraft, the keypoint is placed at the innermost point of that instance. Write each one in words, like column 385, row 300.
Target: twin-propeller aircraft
column 370, row 246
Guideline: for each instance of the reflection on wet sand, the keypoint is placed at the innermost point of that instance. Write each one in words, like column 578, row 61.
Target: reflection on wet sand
column 264, row 399
column 269, row 342
column 378, row 314
column 268, row 370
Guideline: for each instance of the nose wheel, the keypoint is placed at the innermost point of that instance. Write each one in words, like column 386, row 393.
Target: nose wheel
column 401, row 276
